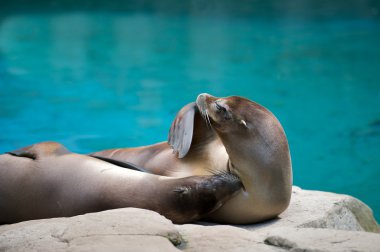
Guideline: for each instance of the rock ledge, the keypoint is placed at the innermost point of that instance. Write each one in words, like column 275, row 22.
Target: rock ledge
column 314, row 221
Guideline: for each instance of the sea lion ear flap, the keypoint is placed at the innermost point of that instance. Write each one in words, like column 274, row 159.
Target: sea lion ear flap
column 181, row 130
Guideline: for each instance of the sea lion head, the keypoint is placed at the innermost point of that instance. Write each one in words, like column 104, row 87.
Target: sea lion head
column 228, row 114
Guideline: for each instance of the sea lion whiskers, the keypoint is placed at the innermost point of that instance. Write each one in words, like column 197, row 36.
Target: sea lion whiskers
column 208, row 119
column 205, row 115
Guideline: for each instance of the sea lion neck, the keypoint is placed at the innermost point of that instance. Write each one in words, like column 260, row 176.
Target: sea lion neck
column 263, row 145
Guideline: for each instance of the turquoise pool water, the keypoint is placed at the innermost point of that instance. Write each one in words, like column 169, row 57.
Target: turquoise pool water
column 96, row 80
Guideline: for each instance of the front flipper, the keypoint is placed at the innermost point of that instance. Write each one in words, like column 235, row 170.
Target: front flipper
column 189, row 132
column 181, row 130
column 36, row 151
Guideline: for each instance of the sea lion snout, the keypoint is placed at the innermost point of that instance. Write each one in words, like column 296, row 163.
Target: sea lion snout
column 217, row 111
column 201, row 101
column 202, row 97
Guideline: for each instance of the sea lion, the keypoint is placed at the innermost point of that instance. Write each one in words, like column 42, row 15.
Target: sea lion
column 258, row 153
column 225, row 134
column 46, row 180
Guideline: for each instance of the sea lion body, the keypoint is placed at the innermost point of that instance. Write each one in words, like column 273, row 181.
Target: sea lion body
column 159, row 159
column 204, row 152
column 227, row 134
column 46, row 180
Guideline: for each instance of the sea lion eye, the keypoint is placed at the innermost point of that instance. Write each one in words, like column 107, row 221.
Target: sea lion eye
column 220, row 107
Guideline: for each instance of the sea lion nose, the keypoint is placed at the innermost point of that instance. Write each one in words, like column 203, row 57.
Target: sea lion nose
column 201, row 99
column 202, row 96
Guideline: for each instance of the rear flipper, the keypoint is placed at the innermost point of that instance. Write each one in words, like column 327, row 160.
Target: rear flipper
column 198, row 196
column 24, row 152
